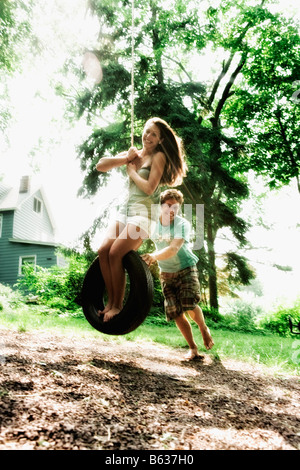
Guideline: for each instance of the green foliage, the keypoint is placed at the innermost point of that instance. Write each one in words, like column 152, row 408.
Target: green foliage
column 249, row 94
column 239, row 315
column 278, row 321
column 55, row 287
column 156, row 317
column 266, row 111
column 242, row 316
column 238, row 269
column 158, row 299
column 12, row 31
column 212, row 316
column 10, row 298
column 15, row 30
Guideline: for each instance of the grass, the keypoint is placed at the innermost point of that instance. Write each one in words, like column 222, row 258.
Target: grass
column 30, row 319
column 281, row 355
column 275, row 352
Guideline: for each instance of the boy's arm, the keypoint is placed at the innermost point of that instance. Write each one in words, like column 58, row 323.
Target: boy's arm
column 165, row 253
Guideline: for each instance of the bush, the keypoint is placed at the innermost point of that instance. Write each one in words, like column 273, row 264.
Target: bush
column 211, row 315
column 239, row 315
column 278, row 321
column 158, row 298
column 9, row 298
column 57, row 287
column 156, row 316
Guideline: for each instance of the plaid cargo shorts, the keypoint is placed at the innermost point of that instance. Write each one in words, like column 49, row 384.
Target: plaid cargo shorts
column 181, row 291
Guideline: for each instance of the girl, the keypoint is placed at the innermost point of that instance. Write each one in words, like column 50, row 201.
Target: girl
column 159, row 162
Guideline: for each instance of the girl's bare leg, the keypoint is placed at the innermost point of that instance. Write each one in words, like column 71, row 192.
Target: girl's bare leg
column 121, row 246
column 103, row 252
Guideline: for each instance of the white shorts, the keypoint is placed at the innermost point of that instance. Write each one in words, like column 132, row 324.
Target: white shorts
column 143, row 223
column 138, row 215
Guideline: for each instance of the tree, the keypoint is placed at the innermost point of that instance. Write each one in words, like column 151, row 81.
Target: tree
column 165, row 40
column 14, row 31
column 265, row 111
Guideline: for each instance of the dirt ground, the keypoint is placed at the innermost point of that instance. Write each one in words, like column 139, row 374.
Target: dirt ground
column 59, row 392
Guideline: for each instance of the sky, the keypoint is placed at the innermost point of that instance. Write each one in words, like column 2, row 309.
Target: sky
column 34, row 106
column 58, row 168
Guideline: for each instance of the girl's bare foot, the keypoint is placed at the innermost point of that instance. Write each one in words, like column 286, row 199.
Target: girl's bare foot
column 207, row 339
column 106, row 309
column 111, row 313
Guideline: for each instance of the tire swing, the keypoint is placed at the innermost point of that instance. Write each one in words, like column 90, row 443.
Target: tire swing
column 136, row 306
column 138, row 303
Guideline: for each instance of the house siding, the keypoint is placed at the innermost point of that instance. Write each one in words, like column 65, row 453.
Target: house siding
column 5, row 262
column 10, row 252
column 28, row 225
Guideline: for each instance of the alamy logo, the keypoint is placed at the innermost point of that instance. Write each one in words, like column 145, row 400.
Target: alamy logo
column 194, row 214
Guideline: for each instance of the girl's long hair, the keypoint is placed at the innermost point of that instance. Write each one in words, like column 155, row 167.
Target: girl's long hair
column 175, row 168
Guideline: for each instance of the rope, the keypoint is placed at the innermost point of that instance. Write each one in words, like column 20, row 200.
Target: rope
column 132, row 71
column 132, row 86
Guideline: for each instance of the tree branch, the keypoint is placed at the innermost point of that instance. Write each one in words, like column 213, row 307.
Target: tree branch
column 180, row 66
column 227, row 93
column 226, row 65
column 225, row 68
column 287, row 146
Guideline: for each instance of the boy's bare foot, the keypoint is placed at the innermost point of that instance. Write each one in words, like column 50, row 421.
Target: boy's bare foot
column 207, row 339
column 111, row 313
column 192, row 354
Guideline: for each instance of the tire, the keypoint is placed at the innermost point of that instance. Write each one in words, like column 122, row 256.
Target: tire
column 137, row 305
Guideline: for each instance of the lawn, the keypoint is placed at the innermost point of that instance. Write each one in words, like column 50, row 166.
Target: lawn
column 281, row 355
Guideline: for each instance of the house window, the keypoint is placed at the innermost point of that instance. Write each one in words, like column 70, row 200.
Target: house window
column 1, row 222
column 26, row 261
column 37, row 205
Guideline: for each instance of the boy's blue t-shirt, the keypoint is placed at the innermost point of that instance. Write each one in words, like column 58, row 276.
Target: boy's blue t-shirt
column 162, row 237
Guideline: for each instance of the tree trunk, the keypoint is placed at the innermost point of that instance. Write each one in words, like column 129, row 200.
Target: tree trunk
column 288, row 147
column 156, row 45
column 212, row 276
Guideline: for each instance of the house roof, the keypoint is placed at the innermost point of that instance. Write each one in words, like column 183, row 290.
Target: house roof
column 8, row 198
column 11, row 198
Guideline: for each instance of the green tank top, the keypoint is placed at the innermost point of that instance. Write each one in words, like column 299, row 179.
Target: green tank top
column 138, row 200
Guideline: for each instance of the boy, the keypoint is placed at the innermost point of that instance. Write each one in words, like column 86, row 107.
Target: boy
column 179, row 274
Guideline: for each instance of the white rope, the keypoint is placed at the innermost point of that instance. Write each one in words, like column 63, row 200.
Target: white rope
column 132, row 71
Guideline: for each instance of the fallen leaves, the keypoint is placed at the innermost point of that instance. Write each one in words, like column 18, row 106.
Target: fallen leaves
column 78, row 395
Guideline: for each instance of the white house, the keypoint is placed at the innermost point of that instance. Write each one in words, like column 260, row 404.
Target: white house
column 27, row 230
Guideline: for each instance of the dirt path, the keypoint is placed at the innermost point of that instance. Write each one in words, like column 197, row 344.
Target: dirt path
column 63, row 393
